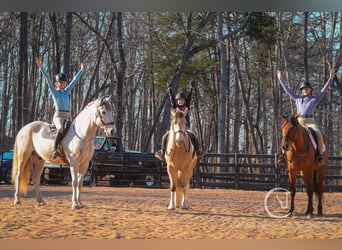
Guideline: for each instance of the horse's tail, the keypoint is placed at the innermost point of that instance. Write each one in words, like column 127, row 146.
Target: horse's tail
column 15, row 163
column 16, row 170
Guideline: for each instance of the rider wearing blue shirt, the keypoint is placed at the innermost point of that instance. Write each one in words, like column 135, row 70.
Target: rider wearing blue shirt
column 61, row 97
column 306, row 104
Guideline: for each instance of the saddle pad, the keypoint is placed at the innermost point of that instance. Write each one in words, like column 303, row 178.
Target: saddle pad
column 49, row 132
column 313, row 141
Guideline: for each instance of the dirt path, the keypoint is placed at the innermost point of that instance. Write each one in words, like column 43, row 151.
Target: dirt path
column 138, row 213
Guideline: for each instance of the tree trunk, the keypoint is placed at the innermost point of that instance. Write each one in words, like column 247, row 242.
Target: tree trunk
column 22, row 98
column 223, row 88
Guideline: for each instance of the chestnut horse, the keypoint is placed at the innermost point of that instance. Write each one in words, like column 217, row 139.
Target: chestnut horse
column 300, row 155
column 181, row 160
column 33, row 146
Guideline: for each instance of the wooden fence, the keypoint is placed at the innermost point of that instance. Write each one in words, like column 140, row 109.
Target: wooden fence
column 256, row 172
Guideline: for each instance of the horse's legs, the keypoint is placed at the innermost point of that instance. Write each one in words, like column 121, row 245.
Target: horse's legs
column 187, row 173
column 308, row 180
column 173, row 183
column 75, row 187
column 320, row 180
column 292, row 178
column 36, row 175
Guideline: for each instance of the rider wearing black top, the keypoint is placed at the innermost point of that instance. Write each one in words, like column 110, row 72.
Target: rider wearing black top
column 180, row 102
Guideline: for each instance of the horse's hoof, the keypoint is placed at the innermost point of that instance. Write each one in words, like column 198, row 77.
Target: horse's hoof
column 186, row 208
column 309, row 216
column 16, row 202
column 75, row 207
column 171, row 208
column 42, row 203
column 320, row 214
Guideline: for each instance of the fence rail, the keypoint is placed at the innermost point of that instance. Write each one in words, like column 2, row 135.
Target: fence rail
column 256, row 172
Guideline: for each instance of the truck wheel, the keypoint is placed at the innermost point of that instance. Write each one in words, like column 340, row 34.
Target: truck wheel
column 149, row 180
column 8, row 177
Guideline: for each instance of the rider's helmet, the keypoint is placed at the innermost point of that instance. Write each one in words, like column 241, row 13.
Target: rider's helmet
column 305, row 85
column 61, row 77
column 181, row 95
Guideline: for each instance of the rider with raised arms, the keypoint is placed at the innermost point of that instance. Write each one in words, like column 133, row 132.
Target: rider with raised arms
column 180, row 102
column 306, row 104
column 61, row 97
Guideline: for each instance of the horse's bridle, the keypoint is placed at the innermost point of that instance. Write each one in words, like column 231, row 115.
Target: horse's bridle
column 184, row 133
column 99, row 115
column 290, row 140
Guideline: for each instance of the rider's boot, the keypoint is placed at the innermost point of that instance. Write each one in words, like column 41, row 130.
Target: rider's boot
column 160, row 155
column 57, row 153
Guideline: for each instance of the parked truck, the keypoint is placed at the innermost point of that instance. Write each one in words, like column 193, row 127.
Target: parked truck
column 112, row 163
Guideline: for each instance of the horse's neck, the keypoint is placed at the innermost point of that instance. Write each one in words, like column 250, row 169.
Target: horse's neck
column 171, row 138
column 301, row 139
column 85, row 123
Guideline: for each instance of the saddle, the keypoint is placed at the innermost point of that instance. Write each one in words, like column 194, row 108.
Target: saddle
column 192, row 140
column 313, row 138
column 50, row 131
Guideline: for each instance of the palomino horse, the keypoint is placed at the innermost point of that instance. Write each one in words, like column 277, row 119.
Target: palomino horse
column 33, row 146
column 300, row 155
column 181, row 159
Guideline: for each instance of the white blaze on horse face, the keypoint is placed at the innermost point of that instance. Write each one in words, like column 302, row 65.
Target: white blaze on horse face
column 179, row 138
column 104, row 116
column 179, row 129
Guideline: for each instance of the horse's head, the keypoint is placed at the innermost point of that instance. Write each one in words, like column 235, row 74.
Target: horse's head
column 289, row 129
column 178, row 125
column 104, row 115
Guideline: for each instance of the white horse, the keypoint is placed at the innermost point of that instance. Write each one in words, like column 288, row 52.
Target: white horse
column 33, row 146
column 181, row 160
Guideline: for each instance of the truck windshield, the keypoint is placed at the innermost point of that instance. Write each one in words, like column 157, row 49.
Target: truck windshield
column 113, row 144
column 98, row 142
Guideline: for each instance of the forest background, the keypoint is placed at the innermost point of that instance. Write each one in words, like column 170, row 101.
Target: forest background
column 232, row 56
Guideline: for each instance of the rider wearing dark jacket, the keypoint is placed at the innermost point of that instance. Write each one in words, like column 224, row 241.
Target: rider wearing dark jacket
column 180, row 102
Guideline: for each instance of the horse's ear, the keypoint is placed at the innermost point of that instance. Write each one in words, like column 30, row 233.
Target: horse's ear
column 186, row 110
column 109, row 98
column 297, row 115
column 283, row 117
column 100, row 100
column 172, row 111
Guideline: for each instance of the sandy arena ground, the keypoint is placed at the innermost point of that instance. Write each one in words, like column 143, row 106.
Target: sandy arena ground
column 139, row 213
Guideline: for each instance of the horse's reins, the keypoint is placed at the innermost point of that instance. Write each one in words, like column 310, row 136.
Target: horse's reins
column 184, row 134
column 104, row 125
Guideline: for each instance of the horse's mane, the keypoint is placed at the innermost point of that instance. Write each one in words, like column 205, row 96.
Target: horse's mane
column 293, row 120
column 105, row 103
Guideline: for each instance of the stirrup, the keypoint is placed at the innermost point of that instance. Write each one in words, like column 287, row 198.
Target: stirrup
column 281, row 160
column 320, row 160
column 56, row 154
column 200, row 155
column 160, row 155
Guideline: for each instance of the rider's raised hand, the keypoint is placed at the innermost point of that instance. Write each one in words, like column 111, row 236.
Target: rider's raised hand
column 278, row 72
column 332, row 74
column 39, row 62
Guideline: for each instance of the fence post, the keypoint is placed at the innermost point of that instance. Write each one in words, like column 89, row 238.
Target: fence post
column 276, row 172
column 236, row 171
column 197, row 175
